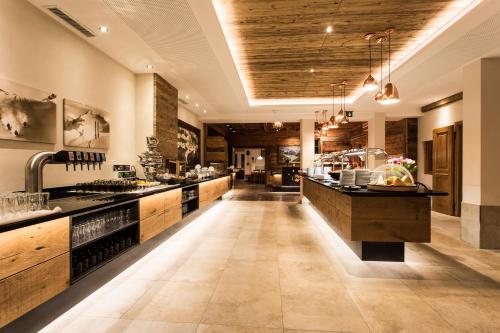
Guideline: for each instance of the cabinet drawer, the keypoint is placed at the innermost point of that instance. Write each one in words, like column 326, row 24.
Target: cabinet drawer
column 152, row 226
column 26, row 290
column 173, row 215
column 29, row 246
column 172, row 198
column 151, row 205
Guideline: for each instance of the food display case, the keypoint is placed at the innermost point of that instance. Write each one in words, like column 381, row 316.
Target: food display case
column 358, row 158
column 392, row 177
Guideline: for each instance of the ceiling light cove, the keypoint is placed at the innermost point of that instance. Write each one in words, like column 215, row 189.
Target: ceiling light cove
column 270, row 50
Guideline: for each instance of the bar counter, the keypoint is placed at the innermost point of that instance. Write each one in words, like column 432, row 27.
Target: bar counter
column 375, row 225
column 40, row 258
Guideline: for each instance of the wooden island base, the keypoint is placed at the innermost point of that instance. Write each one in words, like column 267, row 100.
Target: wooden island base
column 374, row 225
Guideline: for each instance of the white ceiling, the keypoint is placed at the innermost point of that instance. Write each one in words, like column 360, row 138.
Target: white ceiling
column 185, row 43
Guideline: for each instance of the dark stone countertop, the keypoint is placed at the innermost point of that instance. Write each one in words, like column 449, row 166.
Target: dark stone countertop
column 81, row 203
column 370, row 193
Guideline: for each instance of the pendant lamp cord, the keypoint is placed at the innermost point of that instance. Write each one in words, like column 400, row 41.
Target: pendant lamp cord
column 389, row 57
column 370, row 52
column 381, row 61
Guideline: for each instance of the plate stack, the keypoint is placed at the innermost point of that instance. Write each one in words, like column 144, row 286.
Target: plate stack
column 347, row 178
column 363, row 177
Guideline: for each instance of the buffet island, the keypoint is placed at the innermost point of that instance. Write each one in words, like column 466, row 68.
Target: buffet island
column 374, row 212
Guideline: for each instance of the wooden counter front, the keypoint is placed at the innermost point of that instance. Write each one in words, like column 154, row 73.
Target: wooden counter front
column 372, row 220
column 212, row 190
column 158, row 212
column 34, row 266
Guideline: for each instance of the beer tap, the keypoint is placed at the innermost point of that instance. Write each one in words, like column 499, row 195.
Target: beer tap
column 92, row 160
column 86, row 159
column 98, row 159
column 79, row 159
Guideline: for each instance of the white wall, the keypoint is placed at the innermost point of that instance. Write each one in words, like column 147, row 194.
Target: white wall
column 38, row 52
column 144, row 110
column 442, row 117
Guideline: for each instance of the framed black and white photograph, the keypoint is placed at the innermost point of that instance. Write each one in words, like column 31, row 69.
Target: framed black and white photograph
column 188, row 144
column 85, row 126
column 288, row 154
column 26, row 114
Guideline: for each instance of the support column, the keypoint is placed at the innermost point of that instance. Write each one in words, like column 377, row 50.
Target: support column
column 480, row 221
column 376, row 137
column 306, row 148
column 306, row 143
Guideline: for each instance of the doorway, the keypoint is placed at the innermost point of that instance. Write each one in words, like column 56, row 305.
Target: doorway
column 447, row 148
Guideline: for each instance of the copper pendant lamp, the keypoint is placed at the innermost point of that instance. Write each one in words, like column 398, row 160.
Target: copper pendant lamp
column 391, row 94
column 379, row 94
column 370, row 83
column 333, row 120
column 343, row 116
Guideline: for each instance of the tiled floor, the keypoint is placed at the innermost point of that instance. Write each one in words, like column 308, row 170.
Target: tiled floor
column 270, row 267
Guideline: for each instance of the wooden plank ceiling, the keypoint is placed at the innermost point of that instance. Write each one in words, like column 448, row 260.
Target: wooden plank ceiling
column 280, row 40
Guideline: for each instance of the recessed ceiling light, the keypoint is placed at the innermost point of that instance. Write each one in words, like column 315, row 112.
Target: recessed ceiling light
column 187, row 97
column 311, row 70
column 329, row 29
column 149, row 66
column 196, row 105
column 103, row 29
column 204, row 111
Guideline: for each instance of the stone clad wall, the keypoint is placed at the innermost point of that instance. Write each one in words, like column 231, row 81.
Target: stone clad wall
column 165, row 117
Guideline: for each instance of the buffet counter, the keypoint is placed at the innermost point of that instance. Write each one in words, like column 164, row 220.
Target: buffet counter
column 374, row 224
column 40, row 258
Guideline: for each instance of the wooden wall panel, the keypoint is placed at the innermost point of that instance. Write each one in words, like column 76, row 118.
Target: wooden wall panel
column 165, row 117
column 401, row 137
column 26, row 247
column 217, row 149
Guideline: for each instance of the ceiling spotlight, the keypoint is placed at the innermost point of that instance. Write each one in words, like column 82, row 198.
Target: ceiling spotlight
column 149, row 66
column 329, row 29
column 311, row 70
column 187, row 96
column 204, row 111
column 103, row 29
column 196, row 105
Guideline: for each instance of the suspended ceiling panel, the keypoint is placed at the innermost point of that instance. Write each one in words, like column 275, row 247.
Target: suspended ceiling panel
column 172, row 31
column 275, row 44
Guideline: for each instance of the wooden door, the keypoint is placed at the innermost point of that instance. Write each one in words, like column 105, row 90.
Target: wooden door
column 443, row 173
column 457, row 199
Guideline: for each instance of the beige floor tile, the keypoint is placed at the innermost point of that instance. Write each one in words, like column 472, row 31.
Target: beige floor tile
column 235, row 329
column 200, row 270
column 398, row 311
column 84, row 324
column 297, row 253
column 472, row 314
column 307, row 275
column 244, row 251
column 251, row 272
column 148, row 326
column 331, row 310
column 116, row 300
column 434, row 288
column 245, row 305
column 177, row 302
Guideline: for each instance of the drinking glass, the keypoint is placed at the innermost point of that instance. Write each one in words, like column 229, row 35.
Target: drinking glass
column 33, row 202
column 43, row 200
